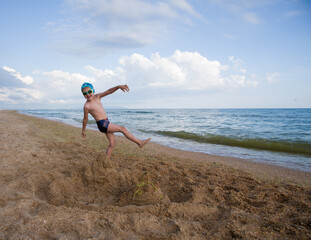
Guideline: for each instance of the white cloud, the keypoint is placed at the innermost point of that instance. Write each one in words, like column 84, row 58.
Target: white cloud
column 238, row 64
column 4, row 96
column 241, row 81
column 19, row 95
column 180, row 71
column 273, row 77
column 292, row 14
column 243, row 5
column 60, row 87
column 251, row 18
column 106, row 75
column 17, row 75
column 61, row 79
column 184, row 5
column 33, row 93
column 247, row 9
column 238, row 80
column 104, row 26
column 60, row 101
column 15, row 88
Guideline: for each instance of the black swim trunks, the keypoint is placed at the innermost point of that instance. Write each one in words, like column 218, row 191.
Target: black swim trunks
column 103, row 125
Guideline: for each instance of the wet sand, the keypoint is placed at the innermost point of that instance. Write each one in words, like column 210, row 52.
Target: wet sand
column 56, row 185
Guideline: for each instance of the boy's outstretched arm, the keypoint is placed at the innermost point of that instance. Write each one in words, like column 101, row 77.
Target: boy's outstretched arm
column 85, row 120
column 124, row 88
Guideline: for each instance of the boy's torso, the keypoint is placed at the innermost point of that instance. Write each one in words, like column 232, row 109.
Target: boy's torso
column 96, row 109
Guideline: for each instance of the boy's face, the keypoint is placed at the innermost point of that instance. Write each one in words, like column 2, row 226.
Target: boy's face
column 87, row 93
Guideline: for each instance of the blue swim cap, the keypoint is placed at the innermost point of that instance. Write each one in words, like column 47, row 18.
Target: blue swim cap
column 84, row 85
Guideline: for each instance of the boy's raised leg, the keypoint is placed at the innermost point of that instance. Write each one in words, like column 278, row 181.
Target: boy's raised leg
column 116, row 128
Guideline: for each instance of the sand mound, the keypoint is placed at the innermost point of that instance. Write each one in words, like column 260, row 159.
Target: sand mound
column 100, row 171
column 143, row 193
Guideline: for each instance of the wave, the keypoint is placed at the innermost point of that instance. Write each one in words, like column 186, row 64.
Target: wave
column 262, row 144
column 139, row 111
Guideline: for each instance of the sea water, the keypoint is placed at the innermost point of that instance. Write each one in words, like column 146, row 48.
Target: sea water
column 275, row 136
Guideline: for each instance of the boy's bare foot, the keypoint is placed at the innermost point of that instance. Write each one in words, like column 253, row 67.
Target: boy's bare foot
column 144, row 142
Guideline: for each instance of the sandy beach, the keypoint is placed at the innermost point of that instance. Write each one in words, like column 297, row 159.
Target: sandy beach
column 57, row 185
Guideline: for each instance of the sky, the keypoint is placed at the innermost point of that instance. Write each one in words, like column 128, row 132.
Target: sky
column 171, row 53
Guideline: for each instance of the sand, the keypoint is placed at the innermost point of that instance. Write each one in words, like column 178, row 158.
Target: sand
column 56, row 185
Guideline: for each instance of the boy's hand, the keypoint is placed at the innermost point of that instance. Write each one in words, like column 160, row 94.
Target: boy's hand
column 124, row 88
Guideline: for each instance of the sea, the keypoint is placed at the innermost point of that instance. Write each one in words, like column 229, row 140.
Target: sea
column 280, row 137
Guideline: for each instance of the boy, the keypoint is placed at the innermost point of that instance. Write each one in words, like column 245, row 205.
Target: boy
column 94, row 106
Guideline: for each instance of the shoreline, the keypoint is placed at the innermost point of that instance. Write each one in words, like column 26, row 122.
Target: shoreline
column 275, row 158
column 57, row 185
column 264, row 170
